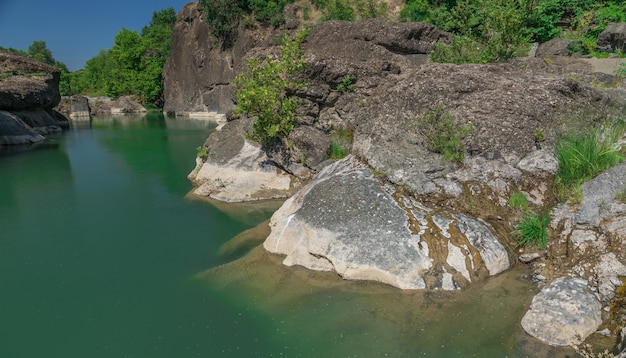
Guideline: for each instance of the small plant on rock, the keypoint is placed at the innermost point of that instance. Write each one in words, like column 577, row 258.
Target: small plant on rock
column 518, row 201
column 337, row 151
column 533, row 230
column 442, row 133
column 202, row 152
column 345, row 85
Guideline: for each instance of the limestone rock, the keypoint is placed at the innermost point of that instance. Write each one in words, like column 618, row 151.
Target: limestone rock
column 347, row 221
column 563, row 313
column 27, row 84
column 237, row 170
column 79, row 107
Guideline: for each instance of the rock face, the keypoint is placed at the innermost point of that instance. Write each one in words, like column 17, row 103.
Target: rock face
column 79, row 107
column 563, row 313
column 588, row 237
column 333, row 224
column 28, row 90
column 198, row 74
column 236, row 170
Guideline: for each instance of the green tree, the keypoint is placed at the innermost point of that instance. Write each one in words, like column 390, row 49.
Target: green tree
column 263, row 91
column 38, row 51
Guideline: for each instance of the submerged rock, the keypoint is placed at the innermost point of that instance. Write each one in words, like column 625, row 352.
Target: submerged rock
column 563, row 313
column 346, row 220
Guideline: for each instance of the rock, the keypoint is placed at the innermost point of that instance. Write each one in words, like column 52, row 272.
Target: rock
column 237, row 170
column 39, row 120
column 555, row 47
column 613, row 38
column 564, row 313
column 198, row 74
column 346, row 220
column 13, row 130
column 79, row 107
column 27, row 84
column 121, row 105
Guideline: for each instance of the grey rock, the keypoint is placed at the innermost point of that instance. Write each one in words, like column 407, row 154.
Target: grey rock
column 563, row 313
column 539, row 163
column 79, row 107
column 236, row 170
column 346, row 220
column 613, row 38
column 554, row 47
column 13, row 130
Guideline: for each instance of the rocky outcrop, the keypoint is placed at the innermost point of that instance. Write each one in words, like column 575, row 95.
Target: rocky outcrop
column 236, row 170
column 28, row 92
column 198, row 74
column 564, row 313
column 121, row 105
column 347, row 220
column 403, row 213
column 79, row 107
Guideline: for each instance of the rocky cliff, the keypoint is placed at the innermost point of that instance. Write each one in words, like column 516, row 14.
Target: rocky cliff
column 28, row 92
column 398, row 211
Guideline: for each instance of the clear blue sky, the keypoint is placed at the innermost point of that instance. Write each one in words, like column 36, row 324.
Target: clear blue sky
column 74, row 31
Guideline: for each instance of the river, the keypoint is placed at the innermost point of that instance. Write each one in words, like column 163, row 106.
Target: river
column 100, row 248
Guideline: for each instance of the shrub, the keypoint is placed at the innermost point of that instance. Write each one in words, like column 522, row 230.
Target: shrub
column 263, row 91
column 202, row 152
column 533, row 230
column 443, row 135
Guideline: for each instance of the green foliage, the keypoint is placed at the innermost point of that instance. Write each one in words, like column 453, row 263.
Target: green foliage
column 583, row 155
column 133, row 66
column 518, row 201
column 202, row 152
column 350, row 10
column 443, row 135
column 39, row 52
column 224, row 15
column 337, row 150
column 533, row 230
column 263, row 91
column 345, row 85
column 484, row 31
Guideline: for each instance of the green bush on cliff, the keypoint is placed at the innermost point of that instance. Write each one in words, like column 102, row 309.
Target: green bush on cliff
column 442, row 134
column 263, row 91
column 533, row 230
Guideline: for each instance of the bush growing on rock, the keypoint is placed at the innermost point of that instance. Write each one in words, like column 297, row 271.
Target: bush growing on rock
column 263, row 91
column 443, row 135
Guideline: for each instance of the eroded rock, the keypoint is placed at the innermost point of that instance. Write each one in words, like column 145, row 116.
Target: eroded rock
column 563, row 313
column 346, row 220
column 237, row 170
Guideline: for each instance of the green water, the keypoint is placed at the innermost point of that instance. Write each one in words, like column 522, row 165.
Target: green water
column 99, row 249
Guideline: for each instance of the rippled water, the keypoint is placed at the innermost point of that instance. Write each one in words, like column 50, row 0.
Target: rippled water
column 101, row 250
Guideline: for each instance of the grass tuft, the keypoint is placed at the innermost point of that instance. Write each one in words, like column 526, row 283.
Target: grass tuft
column 533, row 230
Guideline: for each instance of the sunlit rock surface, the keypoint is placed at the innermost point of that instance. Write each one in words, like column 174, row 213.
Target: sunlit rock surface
column 347, row 220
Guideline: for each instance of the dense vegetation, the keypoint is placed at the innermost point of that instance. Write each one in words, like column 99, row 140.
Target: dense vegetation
column 496, row 30
column 133, row 66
